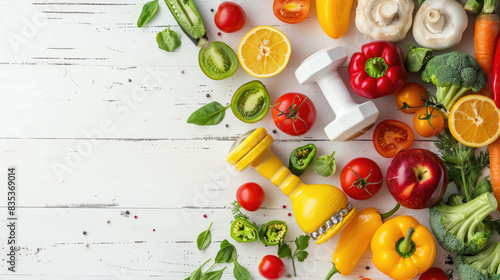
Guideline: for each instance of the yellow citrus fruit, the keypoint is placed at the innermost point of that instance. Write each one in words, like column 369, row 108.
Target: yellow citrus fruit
column 475, row 121
column 264, row 51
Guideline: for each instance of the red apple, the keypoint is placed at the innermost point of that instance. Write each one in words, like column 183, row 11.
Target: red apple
column 417, row 178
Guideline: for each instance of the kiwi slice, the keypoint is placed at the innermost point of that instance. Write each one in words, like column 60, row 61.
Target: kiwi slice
column 251, row 101
column 218, row 61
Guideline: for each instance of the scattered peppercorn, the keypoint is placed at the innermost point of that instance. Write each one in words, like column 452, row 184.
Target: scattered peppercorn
column 289, row 276
column 367, row 267
column 129, row 80
column 284, row 206
column 182, row 71
column 289, row 214
column 107, row 221
column 227, row 125
column 127, row 212
column 86, row 244
column 84, row 233
column 135, row 217
column 274, row 130
column 212, row 10
column 208, row 95
column 205, row 216
column 219, row 34
column 154, row 229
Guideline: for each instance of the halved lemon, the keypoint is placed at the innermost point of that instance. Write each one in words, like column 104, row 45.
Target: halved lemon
column 475, row 121
column 264, row 51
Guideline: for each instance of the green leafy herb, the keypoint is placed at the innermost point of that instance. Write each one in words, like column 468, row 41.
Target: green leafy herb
column 227, row 253
column 324, row 165
column 237, row 211
column 240, row 273
column 204, row 239
column 417, row 58
column 213, row 275
column 210, row 114
column 168, row 40
column 464, row 165
column 301, row 242
column 196, row 275
column 149, row 11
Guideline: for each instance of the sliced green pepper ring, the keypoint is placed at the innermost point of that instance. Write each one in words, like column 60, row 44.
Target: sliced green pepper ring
column 272, row 233
column 244, row 231
column 301, row 158
column 251, row 102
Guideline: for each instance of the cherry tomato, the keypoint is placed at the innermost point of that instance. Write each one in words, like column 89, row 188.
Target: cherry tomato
column 361, row 178
column 433, row 273
column 271, row 267
column 421, row 124
column 250, row 196
column 391, row 136
column 411, row 94
column 230, row 17
column 291, row 11
column 294, row 113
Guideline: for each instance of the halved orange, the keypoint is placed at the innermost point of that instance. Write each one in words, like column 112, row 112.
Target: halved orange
column 264, row 51
column 475, row 121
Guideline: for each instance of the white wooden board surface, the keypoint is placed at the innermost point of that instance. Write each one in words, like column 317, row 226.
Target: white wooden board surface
column 93, row 115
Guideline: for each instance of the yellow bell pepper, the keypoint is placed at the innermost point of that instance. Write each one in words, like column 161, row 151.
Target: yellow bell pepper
column 355, row 238
column 402, row 248
column 333, row 16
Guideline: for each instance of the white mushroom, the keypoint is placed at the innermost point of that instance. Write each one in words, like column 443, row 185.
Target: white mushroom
column 439, row 24
column 387, row 20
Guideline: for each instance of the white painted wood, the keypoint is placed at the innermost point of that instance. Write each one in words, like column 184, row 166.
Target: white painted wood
column 93, row 115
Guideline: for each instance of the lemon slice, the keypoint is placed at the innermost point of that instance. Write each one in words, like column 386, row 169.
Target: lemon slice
column 475, row 121
column 264, row 51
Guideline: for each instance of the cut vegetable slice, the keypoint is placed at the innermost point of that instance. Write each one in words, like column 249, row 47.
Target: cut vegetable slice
column 264, row 51
column 251, row 102
column 475, row 121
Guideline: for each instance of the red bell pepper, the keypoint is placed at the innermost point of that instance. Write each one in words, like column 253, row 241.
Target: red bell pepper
column 495, row 75
column 378, row 70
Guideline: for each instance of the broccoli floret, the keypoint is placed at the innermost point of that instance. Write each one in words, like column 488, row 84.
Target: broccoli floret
column 483, row 266
column 455, row 199
column 483, row 186
column 453, row 73
column 460, row 229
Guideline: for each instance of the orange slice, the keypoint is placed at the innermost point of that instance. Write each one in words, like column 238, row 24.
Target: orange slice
column 264, row 51
column 475, row 121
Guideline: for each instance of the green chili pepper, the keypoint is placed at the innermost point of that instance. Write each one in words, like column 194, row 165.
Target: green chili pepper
column 273, row 232
column 244, row 231
column 189, row 19
column 301, row 158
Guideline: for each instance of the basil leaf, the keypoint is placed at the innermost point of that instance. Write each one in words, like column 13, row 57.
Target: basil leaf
column 210, row 114
column 302, row 242
column 168, row 40
column 417, row 58
column 204, row 239
column 284, row 251
column 301, row 255
column 213, row 275
column 241, row 273
column 324, row 165
column 148, row 13
column 196, row 275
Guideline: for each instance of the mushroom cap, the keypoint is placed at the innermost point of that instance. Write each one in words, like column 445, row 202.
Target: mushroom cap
column 455, row 24
column 394, row 31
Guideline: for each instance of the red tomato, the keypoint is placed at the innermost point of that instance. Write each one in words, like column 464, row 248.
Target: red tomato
column 391, row 136
column 271, row 267
column 421, row 124
column 361, row 178
column 433, row 273
column 291, row 11
column 250, row 196
column 230, row 17
column 412, row 94
column 294, row 113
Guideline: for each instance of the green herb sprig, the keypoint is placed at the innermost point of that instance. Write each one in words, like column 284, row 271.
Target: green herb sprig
column 301, row 243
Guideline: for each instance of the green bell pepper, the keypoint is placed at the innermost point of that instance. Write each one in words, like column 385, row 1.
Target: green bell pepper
column 273, row 232
column 301, row 158
column 244, row 231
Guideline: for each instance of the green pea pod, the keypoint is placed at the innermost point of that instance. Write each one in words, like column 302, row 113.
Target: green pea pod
column 189, row 19
column 273, row 233
column 244, row 231
column 301, row 158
